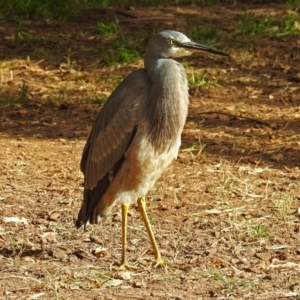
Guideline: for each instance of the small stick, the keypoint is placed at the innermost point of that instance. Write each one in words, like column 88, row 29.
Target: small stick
column 235, row 116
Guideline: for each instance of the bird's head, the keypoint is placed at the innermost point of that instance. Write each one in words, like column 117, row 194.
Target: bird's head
column 174, row 44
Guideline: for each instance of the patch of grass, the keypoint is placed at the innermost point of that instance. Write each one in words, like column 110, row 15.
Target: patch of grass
column 125, row 54
column 196, row 79
column 195, row 150
column 293, row 2
column 231, row 283
column 23, row 93
column 256, row 231
column 69, row 62
column 63, row 95
column 16, row 246
column 165, row 277
column 100, row 99
column 45, row 53
column 211, row 2
column 107, row 29
column 54, row 280
column 76, row 277
column 204, row 33
column 283, row 205
column 111, row 82
column 224, row 190
column 28, row 9
column 122, row 51
column 56, row 9
column 105, row 3
column 251, row 26
column 101, row 3
column 290, row 24
column 22, row 37
column 21, row 96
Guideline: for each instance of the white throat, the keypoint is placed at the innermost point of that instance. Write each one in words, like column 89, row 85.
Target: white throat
column 180, row 52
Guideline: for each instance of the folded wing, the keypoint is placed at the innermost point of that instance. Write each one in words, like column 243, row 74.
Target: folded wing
column 113, row 131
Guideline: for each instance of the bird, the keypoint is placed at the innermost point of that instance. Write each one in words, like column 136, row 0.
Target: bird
column 137, row 134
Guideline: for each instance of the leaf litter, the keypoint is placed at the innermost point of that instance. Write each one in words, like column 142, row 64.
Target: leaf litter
column 225, row 214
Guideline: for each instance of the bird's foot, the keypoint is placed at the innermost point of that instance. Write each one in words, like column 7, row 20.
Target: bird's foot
column 161, row 262
column 125, row 266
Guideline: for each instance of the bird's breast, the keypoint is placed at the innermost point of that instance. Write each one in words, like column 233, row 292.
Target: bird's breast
column 142, row 167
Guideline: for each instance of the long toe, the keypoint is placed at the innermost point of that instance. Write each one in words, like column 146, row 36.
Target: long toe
column 126, row 266
column 161, row 262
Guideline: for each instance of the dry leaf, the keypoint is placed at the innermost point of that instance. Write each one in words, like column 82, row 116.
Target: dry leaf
column 15, row 220
column 96, row 240
column 114, row 282
column 35, row 296
column 124, row 275
column 54, row 217
column 100, row 252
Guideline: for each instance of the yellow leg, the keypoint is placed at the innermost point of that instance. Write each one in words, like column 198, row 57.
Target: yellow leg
column 124, row 264
column 142, row 208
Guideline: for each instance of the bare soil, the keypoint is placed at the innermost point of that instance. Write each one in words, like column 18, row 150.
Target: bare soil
column 226, row 213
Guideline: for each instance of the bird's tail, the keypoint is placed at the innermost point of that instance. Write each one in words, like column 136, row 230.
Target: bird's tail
column 92, row 200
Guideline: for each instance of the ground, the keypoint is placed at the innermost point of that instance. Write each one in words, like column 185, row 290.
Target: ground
column 226, row 213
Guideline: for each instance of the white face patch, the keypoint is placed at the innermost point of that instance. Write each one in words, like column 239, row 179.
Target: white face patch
column 179, row 52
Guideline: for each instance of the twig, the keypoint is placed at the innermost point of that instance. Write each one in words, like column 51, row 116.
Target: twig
column 273, row 295
column 21, row 277
column 235, row 116
column 125, row 13
column 148, row 19
column 136, row 18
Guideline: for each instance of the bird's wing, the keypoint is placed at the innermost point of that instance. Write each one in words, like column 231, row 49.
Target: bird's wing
column 114, row 128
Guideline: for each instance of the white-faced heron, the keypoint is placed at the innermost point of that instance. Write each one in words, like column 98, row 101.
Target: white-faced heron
column 137, row 134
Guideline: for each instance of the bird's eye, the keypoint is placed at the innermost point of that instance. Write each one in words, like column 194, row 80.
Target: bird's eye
column 172, row 42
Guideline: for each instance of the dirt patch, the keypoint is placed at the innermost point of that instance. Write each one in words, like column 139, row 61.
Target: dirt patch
column 226, row 214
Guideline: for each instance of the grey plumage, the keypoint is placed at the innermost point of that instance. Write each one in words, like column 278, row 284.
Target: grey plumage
column 137, row 132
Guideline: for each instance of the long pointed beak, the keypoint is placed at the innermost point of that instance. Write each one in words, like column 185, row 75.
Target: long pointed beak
column 198, row 47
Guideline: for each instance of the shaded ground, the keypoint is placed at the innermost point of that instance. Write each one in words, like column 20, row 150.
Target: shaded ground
column 226, row 214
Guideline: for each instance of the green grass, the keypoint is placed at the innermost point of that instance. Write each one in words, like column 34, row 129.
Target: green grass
column 210, row 2
column 124, row 54
column 122, row 51
column 293, row 2
column 18, row 97
column 196, row 79
column 283, row 205
column 107, row 29
column 100, row 99
column 111, row 82
column 231, row 283
column 101, row 3
column 251, row 26
column 22, row 37
column 57, row 9
column 202, row 33
column 290, row 24
column 256, row 231
column 28, row 9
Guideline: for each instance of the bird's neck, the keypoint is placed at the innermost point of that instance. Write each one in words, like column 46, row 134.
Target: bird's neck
column 168, row 101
